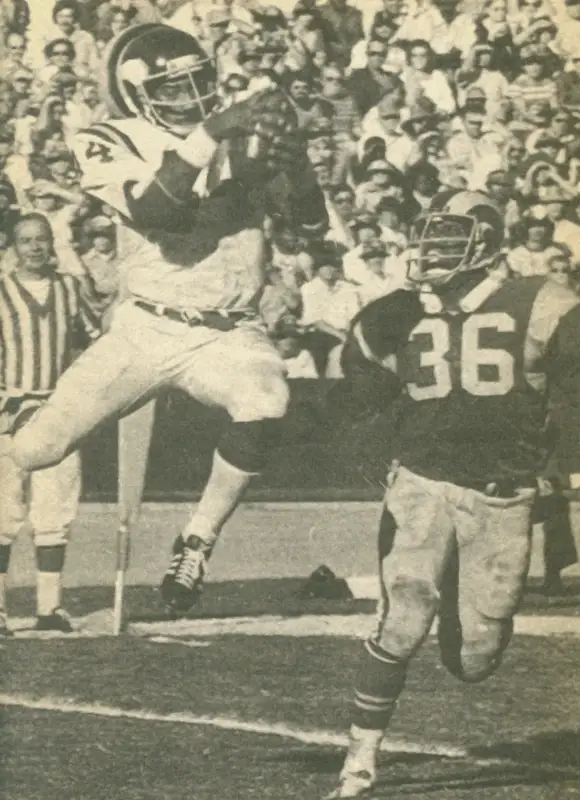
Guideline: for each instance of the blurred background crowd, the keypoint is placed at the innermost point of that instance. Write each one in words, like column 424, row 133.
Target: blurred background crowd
column 398, row 99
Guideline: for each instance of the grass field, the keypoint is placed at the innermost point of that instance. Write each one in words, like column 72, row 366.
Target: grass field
column 249, row 698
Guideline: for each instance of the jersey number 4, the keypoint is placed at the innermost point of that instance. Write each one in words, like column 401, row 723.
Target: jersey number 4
column 99, row 151
column 482, row 371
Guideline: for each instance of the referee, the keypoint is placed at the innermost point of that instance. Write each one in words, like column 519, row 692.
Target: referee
column 43, row 314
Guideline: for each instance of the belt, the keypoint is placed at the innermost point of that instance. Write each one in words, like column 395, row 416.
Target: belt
column 220, row 320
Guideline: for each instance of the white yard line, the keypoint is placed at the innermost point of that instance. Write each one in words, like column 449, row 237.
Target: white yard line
column 312, row 737
column 349, row 626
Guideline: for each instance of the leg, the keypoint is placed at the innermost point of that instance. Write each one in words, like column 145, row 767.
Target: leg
column 494, row 545
column 105, row 380
column 54, row 498
column 13, row 514
column 559, row 545
column 416, row 537
column 242, row 373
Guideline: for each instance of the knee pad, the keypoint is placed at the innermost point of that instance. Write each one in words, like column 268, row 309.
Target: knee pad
column 246, row 445
column 410, row 609
column 51, row 538
column 479, row 656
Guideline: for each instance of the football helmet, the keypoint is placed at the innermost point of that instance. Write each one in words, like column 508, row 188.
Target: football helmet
column 460, row 232
column 162, row 74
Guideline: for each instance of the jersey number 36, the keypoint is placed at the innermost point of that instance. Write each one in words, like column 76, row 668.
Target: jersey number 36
column 480, row 371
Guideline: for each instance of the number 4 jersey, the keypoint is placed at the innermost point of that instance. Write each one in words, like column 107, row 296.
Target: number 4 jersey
column 470, row 373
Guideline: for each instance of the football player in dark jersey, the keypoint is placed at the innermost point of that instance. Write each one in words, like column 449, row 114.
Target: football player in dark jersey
column 467, row 358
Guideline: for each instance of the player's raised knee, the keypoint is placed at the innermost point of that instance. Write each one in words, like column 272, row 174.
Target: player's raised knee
column 262, row 396
column 41, row 442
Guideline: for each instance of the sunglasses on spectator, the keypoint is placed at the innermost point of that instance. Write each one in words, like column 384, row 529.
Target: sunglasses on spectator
column 333, row 78
column 532, row 3
column 343, row 198
column 382, row 53
column 60, row 53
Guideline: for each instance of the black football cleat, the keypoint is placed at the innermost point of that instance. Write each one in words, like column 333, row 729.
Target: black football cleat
column 58, row 620
column 182, row 583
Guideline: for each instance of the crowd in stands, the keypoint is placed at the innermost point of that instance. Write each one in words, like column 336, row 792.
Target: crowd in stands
column 397, row 105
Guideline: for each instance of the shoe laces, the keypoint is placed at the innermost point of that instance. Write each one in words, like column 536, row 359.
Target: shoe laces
column 190, row 568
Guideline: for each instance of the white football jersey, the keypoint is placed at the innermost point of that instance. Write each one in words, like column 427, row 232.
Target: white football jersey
column 216, row 264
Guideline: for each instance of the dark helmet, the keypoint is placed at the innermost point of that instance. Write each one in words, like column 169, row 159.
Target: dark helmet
column 162, row 74
column 461, row 231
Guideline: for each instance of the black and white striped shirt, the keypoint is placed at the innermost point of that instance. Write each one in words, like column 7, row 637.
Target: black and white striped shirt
column 38, row 337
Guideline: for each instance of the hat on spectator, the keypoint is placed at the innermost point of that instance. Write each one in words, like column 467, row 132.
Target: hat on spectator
column 374, row 250
column 421, row 109
column 327, row 253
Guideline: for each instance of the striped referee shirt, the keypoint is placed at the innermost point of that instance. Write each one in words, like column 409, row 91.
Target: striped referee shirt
column 38, row 339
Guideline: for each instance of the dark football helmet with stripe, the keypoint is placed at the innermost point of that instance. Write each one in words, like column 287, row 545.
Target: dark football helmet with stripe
column 162, row 74
column 460, row 232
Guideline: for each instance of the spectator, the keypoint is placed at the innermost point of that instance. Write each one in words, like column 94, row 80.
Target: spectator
column 382, row 177
column 329, row 304
column 59, row 206
column 566, row 232
column 493, row 29
column 560, row 267
column 378, row 281
column 532, row 256
column 61, row 57
column 15, row 47
column 366, row 231
column 419, row 118
column 389, row 212
column 422, row 21
column 341, row 212
column 84, row 109
column 422, row 80
column 65, row 15
column 344, row 29
column 298, row 360
column 383, row 120
column 101, row 263
column 479, row 71
column 533, row 85
column 473, row 150
column 501, row 188
column 14, row 16
column 370, row 83
column 568, row 85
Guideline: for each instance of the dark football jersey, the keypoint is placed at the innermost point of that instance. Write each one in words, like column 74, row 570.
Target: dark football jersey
column 472, row 374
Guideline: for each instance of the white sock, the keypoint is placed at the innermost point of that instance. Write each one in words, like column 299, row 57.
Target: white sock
column 48, row 586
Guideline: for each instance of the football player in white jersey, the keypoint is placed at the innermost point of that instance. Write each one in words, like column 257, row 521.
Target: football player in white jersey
column 193, row 184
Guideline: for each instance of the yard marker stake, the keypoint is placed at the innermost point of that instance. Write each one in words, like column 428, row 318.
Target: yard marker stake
column 135, row 432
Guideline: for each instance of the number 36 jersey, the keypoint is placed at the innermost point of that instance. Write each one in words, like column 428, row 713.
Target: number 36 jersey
column 470, row 374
